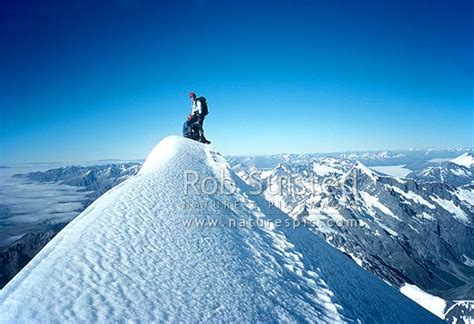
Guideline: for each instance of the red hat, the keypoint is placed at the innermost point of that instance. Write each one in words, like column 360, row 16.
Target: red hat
column 192, row 95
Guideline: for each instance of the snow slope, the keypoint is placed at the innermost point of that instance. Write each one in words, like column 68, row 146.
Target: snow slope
column 131, row 256
column 432, row 303
column 466, row 159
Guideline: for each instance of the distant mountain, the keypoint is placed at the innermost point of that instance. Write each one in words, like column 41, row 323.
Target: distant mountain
column 460, row 312
column 457, row 172
column 96, row 179
column 413, row 159
column 17, row 255
column 465, row 160
column 417, row 231
column 448, row 173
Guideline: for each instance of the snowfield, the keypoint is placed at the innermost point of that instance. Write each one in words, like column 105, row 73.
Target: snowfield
column 466, row 159
column 449, row 206
column 434, row 304
column 131, row 257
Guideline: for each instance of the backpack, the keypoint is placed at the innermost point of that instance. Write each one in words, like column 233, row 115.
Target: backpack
column 204, row 109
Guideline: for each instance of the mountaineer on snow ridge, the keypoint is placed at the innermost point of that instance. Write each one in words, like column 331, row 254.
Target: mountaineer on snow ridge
column 193, row 127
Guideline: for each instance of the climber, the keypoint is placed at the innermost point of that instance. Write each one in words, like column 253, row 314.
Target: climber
column 200, row 111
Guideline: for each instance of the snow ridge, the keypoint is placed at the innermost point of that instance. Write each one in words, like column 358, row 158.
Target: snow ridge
column 130, row 257
column 466, row 160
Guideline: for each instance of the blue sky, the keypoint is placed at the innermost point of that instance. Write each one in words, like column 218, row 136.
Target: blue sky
column 86, row 80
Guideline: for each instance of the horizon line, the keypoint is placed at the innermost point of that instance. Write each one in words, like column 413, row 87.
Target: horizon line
column 464, row 149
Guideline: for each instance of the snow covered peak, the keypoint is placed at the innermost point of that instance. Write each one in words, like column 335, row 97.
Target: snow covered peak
column 466, row 159
column 361, row 169
column 169, row 150
column 140, row 253
column 280, row 168
column 450, row 173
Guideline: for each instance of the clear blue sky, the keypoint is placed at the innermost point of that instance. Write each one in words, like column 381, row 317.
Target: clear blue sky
column 86, row 80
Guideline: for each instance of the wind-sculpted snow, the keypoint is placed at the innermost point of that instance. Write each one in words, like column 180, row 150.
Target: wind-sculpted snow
column 133, row 255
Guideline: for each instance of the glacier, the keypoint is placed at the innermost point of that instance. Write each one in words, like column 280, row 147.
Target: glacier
column 131, row 256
